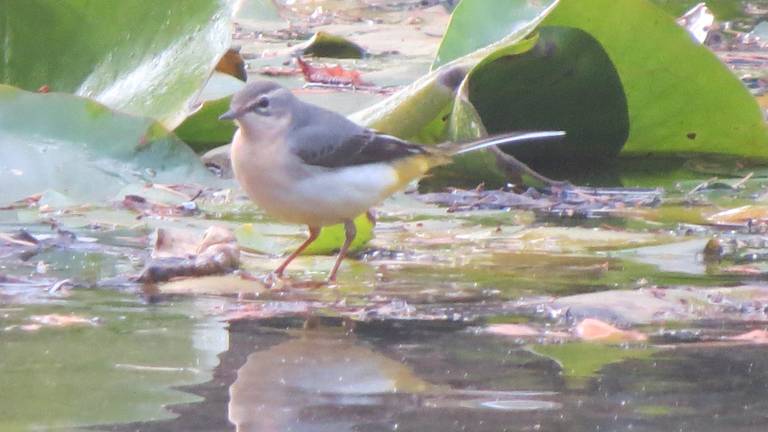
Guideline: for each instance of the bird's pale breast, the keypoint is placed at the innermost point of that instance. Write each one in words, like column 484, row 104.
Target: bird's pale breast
column 291, row 191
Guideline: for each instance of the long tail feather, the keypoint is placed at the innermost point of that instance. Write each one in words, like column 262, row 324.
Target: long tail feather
column 507, row 139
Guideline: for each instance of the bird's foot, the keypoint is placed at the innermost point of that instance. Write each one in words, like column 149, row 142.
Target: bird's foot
column 274, row 281
column 245, row 275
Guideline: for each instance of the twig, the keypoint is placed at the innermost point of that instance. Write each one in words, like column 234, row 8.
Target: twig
column 702, row 185
column 741, row 182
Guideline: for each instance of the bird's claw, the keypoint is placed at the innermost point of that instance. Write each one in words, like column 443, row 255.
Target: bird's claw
column 273, row 281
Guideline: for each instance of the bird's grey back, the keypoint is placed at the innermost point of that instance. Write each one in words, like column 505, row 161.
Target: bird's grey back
column 315, row 129
column 327, row 139
column 311, row 116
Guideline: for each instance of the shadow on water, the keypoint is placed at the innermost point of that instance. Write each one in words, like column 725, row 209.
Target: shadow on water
column 276, row 376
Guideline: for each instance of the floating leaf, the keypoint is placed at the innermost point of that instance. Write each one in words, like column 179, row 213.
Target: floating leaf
column 324, row 44
column 334, row 75
column 332, row 237
column 641, row 88
column 203, row 130
column 565, row 82
column 145, row 57
column 681, row 98
column 580, row 361
column 259, row 239
column 83, row 149
column 476, row 30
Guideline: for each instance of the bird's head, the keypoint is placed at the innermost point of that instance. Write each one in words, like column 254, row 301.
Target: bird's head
column 262, row 108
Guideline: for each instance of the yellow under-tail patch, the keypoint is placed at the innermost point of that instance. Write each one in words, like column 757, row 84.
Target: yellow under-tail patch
column 410, row 168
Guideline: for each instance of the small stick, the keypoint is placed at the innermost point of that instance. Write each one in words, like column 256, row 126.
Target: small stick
column 741, row 182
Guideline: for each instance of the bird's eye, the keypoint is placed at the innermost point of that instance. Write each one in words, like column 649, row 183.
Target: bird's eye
column 263, row 102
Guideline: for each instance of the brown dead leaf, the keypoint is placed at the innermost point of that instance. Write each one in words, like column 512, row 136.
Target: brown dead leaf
column 232, row 63
column 334, row 75
column 591, row 329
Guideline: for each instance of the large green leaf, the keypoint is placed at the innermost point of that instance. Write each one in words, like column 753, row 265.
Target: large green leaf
column 437, row 107
column 479, row 29
column 83, row 149
column 413, row 109
column 566, row 82
column 145, row 57
column 681, row 98
column 643, row 87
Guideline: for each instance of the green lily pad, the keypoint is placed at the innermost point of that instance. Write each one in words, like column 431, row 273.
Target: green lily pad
column 144, row 57
column 324, row 44
column 566, row 82
column 272, row 239
column 203, row 130
column 580, row 361
column 83, row 149
column 681, row 98
column 262, row 238
column 332, row 237
column 478, row 29
column 435, row 108
column 635, row 89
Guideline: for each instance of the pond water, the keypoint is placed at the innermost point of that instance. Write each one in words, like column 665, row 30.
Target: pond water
column 174, row 366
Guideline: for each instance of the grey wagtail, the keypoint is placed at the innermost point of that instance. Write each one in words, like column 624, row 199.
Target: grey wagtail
column 307, row 165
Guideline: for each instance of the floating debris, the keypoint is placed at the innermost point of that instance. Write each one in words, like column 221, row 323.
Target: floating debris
column 567, row 202
column 174, row 255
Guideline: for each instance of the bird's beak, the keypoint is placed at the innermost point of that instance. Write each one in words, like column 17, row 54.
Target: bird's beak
column 230, row 115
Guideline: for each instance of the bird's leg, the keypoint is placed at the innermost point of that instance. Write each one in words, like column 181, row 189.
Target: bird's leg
column 351, row 232
column 313, row 233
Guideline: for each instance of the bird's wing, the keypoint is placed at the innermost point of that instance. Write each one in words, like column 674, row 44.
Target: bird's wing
column 323, row 147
